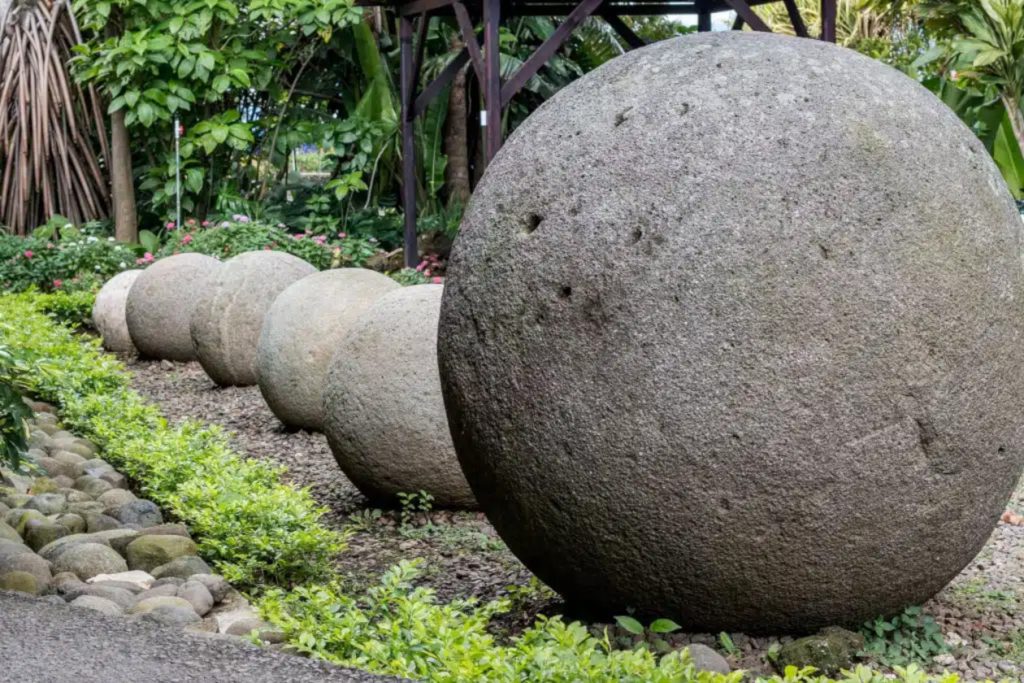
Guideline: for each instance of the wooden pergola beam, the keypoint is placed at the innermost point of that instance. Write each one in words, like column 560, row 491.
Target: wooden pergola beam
column 744, row 10
column 799, row 27
column 625, row 32
column 469, row 39
column 547, row 49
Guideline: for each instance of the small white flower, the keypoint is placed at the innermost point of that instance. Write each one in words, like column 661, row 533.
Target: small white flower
column 92, row 238
column 97, row 269
column 110, row 239
column 123, row 265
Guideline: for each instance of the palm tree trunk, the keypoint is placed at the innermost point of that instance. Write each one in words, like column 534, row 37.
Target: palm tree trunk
column 126, row 221
column 456, row 140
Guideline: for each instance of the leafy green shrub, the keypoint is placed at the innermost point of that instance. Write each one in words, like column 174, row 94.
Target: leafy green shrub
column 78, row 260
column 398, row 629
column 911, row 636
column 73, row 308
column 225, row 239
column 250, row 525
column 13, row 411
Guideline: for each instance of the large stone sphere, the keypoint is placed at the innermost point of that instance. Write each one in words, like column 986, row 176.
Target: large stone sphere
column 384, row 415
column 108, row 312
column 161, row 301
column 732, row 334
column 227, row 321
column 300, row 333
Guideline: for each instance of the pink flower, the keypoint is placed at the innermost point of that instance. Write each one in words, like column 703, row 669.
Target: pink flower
column 170, row 225
column 190, row 221
column 437, row 280
column 147, row 258
column 320, row 239
column 29, row 253
column 186, row 239
column 298, row 237
column 342, row 235
column 421, row 266
column 206, row 224
column 49, row 245
column 57, row 284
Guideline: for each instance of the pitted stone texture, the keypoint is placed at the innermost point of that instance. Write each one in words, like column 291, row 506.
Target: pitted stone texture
column 300, row 334
column 161, row 302
column 227, row 321
column 737, row 348
column 384, row 416
column 108, row 312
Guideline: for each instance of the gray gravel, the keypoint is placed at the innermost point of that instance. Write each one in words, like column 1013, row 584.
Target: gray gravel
column 43, row 641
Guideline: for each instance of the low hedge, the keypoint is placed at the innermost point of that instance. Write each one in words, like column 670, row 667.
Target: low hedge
column 268, row 536
column 253, row 527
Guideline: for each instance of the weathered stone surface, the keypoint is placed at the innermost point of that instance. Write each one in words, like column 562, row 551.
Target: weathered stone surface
column 51, row 551
column 99, row 522
column 218, row 587
column 98, row 604
column 139, row 513
column 171, row 615
column 123, row 597
column 754, row 364
column 198, row 595
column 706, row 659
column 148, row 552
column 92, row 486
column 300, row 334
column 22, row 582
column 9, row 533
column 182, row 568
column 47, row 503
column 384, row 415
column 141, row 580
column 150, row 603
column 226, row 324
column 39, row 533
column 115, row 498
column 830, row 651
column 161, row 302
column 29, row 563
column 86, row 560
column 108, row 312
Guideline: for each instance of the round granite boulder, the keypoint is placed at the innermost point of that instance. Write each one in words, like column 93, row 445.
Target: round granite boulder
column 384, row 416
column 300, row 333
column 227, row 320
column 737, row 348
column 108, row 312
column 161, row 301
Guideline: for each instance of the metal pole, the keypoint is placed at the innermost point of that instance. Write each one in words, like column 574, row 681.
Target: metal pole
column 490, row 118
column 703, row 17
column 177, row 172
column 408, row 140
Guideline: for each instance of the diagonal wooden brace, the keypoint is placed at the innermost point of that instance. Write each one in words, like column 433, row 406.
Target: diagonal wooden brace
column 469, row 38
column 547, row 49
column 744, row 10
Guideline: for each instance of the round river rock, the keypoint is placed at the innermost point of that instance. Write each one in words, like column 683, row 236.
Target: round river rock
column 227, row 321
column 301, row 332
column 384, row 415
column 108, row 312
column 738, row 348
column 160, row 305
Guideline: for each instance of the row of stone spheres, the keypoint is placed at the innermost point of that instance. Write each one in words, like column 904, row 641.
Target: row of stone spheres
column 348, row 352
column 732, row 333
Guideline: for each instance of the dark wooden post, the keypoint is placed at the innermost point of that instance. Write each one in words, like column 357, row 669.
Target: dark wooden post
column 828, row 20
column 492, row 77
column 703, row 16
column 408, row 115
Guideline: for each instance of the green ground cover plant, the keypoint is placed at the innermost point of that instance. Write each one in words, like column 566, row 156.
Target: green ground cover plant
column 254, row 528
column 268, row 537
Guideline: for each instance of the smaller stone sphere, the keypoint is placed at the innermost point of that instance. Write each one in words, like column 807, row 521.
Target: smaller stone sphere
column 383, row 412
column 300, row 333
column 108, row 312
column 227, row 321
column 161, row 302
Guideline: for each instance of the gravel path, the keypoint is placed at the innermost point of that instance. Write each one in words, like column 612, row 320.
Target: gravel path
column 42, row 641
column 981, row 612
